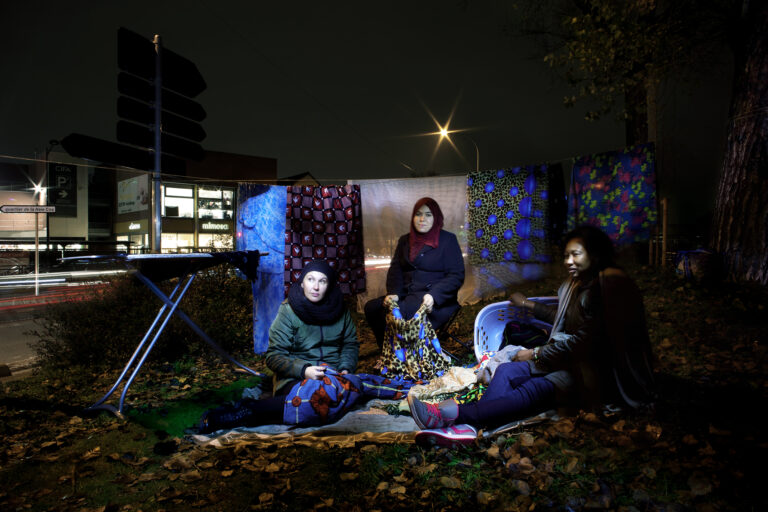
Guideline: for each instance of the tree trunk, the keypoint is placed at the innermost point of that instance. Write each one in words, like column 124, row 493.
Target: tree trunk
column 740, row 223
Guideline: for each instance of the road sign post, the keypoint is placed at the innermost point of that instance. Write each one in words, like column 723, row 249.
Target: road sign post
column 37, row 210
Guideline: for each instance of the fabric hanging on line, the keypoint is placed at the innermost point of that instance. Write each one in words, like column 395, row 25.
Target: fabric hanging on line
column 325, row 222
column 261, row 226
column 615, row 191
column 388, row 205
column 513, row 216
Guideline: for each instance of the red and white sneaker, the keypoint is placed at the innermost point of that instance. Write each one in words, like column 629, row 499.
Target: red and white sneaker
column 453, row 436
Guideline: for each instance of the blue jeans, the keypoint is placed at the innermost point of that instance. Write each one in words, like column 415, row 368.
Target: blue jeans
column 513, row 394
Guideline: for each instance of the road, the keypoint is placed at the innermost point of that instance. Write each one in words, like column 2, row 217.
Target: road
column 15, row 351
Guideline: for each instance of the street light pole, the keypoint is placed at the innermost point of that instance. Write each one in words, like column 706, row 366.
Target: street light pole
column 51, row 143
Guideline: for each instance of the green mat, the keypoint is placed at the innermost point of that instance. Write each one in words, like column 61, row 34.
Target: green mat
column 179, row 414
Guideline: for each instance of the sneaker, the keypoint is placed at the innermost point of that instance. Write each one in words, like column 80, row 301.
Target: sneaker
column 425, row 415
column 453, row 436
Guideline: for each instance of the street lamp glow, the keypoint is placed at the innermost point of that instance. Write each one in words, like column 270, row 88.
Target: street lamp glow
column 443, row 132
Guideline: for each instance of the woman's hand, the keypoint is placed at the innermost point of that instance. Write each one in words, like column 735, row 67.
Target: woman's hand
column 524, row 355
column 429, row 301
column 314, row 372
column 391, row 297
column 518, row 299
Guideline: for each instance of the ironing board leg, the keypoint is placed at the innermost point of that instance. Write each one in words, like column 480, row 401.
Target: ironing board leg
column 197, row 329
column 98, row 404
column 154, row 340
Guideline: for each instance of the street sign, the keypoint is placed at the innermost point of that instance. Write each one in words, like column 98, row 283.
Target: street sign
column 180, row 80
column 91, row 148
column 26, row 208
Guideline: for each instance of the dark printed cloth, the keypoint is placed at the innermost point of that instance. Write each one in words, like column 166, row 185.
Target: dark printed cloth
column 509, row 214
column 325, row 223
column 411, row 348
column 318, row 402
column 616, row 192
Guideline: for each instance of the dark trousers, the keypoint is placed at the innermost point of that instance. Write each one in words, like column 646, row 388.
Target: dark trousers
column 376, row 314
column 513, row 394
column 247, row 412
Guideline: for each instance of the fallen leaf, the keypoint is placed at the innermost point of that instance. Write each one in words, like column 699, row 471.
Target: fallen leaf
column 526, row 439
column 618, row 426
column 227, row 472
column 699, row 484
column 689, row 439
column 398, row 489
column 485, row 498
column 191, row 476
column 266, row 497
column 423, row 470
column 525, row 465
column 648, row 472
column 522, row 487
column 382, row 486
column 571, row 466
column 345, row 477
column 92, row 454
column 450, row 482
column 272, row 468
column 493, row 451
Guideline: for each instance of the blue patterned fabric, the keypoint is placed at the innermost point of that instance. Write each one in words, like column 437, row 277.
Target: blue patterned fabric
column 615, row 191
column 317, row 402
column 509, row 215
column 261, row 226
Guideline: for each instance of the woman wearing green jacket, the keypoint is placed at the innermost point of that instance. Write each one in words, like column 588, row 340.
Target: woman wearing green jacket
column 313, row 332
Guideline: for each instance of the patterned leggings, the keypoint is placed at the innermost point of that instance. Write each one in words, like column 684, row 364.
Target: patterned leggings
column 513, row 394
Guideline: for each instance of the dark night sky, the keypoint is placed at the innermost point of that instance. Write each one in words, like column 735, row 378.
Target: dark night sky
column 338, row 89
column 343, row 89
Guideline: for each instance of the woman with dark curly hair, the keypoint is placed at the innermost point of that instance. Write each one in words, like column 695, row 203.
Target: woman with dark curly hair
column 597, row 353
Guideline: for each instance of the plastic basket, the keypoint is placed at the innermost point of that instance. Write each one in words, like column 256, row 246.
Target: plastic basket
column 490, row 323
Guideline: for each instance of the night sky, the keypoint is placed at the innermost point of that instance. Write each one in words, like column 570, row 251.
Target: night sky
column 341, row 89
column 347, row 89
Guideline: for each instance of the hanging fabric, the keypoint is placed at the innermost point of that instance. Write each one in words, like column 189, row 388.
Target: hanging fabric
column 325, row 222
column 513, row 216
column 411, row 348
column 261, row 226
column 615, row 191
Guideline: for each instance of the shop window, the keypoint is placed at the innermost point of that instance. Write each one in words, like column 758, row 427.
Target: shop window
column 215, row 202
column 178, row 201
column 219, row 241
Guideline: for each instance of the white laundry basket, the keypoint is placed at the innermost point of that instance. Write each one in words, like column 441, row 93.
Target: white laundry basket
column 490, row 323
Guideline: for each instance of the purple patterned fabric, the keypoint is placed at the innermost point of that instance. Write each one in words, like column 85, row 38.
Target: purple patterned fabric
column 325, row 223
column 616, row 192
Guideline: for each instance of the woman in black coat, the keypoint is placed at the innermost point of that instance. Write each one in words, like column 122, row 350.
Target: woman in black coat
column 427, row 268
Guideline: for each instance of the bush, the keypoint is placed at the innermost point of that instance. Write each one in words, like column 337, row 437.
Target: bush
column 104, row 329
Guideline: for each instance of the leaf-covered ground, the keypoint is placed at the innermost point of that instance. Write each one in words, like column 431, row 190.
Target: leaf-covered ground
column 703, row 448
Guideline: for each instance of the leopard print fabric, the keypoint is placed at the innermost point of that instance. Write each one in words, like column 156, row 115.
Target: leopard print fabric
column 411, row 348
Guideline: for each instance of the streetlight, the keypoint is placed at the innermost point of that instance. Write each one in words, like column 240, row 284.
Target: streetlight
column 445, row 133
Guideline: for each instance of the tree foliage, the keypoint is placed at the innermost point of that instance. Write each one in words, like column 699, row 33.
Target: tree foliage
column 608, row 50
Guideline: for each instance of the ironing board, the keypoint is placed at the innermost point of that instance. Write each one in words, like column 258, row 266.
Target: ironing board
column 153, row 268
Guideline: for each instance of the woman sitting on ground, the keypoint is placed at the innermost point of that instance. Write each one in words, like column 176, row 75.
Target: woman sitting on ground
column 598, row 351
column 313, row 332
column 427, row 268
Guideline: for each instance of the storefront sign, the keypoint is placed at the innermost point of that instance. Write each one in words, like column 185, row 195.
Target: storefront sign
column 133, row 194
column 132, row 227
column 215, row 225
column 62, row 189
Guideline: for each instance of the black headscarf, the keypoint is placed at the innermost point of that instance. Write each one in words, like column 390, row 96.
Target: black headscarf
column 325, row 312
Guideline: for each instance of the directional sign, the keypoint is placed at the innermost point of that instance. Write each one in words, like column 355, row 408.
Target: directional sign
column 26, row 208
